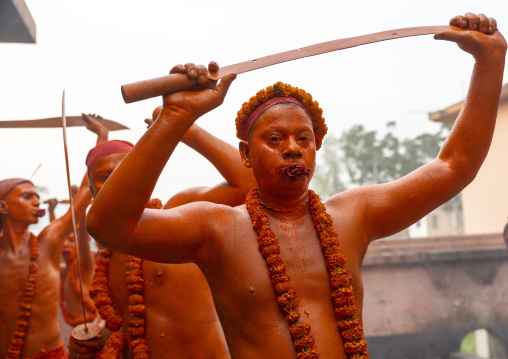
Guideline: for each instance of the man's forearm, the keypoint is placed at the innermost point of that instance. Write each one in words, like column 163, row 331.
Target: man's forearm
column 123, row 198
column 224, row 157
column 469, row 141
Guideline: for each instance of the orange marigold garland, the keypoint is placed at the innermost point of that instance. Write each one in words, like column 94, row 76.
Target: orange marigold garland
column 113, row 347
column 350, row 327
column 102, row 300
column 136, row 324
column 100, row 291
column 14, row 350
column 280, row 89
column 73, row 279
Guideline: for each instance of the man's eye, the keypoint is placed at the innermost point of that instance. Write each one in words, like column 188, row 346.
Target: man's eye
column 26, row 197
column 303, row 138
column 273, row 138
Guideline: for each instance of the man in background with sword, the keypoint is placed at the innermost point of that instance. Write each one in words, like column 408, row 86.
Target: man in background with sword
column 30, row 268
column 179, row 317
column 302, row 295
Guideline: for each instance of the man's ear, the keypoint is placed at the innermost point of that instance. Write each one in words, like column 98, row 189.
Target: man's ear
column 3, row 207
column 244, row 153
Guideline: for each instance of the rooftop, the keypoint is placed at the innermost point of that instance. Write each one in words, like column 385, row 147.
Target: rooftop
column 449, row 114
column 436, row 249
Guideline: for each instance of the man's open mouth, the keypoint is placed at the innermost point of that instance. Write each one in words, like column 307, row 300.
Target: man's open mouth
column 40, row 213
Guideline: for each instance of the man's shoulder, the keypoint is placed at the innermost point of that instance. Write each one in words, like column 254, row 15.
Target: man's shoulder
column 349, row 200
column 53, row 232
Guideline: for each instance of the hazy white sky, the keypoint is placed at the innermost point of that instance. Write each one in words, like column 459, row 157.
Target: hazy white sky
column 91, row 48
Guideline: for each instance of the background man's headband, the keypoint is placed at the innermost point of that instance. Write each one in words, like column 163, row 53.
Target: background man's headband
column 105, row 149
column 8, row 185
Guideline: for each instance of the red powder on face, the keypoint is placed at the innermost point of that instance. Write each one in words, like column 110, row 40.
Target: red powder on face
column 294, row 170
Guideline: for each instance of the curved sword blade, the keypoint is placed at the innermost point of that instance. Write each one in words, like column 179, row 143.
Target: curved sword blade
column 325, row 47
column 143, row 90
column 86, row 330
column 57, row 122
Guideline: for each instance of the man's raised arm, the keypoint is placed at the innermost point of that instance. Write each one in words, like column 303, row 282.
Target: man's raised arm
column 117, row 216
column 394, row 206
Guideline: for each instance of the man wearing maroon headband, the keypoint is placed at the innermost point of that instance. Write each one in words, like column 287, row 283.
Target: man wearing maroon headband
column 179, row 317
column 30, row 268
column 284, row 270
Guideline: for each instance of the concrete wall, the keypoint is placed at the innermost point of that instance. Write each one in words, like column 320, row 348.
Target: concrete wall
column 422, row 298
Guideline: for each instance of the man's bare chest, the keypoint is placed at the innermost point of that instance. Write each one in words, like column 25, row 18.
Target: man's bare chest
column 14, row 269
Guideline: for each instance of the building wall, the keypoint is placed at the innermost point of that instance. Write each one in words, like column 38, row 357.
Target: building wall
column 423, row 296
column 485, row 200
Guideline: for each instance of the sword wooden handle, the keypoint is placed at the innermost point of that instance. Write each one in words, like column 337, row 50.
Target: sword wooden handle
column 158, row 86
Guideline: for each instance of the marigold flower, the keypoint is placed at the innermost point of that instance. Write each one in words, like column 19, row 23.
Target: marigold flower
column 310, row 354
column 277, row 269
column 288, row 299
column 346, row 311
column 278, row 278
column 136, row 331
column 268, row 251
column 282, row 287
column 304, row 343
column 346, row 324
column 136, row 288
column 338, row 281
column 134, row 280
column 354, row 333
column 299, row 330
column 353, row 346
column 135, row 299
column 136, row 321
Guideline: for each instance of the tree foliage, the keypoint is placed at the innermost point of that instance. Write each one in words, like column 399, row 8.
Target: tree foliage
column 361, row 157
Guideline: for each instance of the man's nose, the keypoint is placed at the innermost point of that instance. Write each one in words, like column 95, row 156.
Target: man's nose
column 292, row 149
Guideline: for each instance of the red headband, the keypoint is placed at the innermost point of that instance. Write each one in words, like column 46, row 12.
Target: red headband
column 265, row 105
column 8, row 184
column 105, row 149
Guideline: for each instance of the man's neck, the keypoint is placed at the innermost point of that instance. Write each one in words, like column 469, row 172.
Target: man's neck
column 296, row 204
column 13, row 234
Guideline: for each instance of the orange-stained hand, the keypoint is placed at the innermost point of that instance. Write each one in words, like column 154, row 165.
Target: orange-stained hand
column 74, row 190
column 52, row 203
column 95, row 126
column 204, row 96
column 85, row 349
column 475, row 34
column 148, row 122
